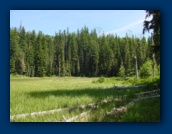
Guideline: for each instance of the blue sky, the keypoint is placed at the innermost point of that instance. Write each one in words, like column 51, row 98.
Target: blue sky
column 117, row 22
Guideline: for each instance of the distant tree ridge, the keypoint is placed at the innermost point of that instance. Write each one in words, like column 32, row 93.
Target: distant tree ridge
column 83, row 53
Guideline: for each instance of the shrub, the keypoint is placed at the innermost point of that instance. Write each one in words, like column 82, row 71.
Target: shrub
column 101, row 79
column 146, row 69
column 121, row 72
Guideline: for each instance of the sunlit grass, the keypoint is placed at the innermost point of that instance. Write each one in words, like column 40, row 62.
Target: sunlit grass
column 38, row 94
column 29, row 95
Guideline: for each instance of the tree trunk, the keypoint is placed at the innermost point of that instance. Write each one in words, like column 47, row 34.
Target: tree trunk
column 136, row 67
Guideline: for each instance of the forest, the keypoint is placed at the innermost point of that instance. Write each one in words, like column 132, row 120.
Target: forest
column 81, row 53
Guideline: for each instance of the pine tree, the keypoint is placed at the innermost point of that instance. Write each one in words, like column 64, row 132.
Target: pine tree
column 94, row 57
column 40, row 56
column 14, row 48
column 74, row 54
column 50, row 56
column 154, row 24
column 22, row 51
column 121, row 72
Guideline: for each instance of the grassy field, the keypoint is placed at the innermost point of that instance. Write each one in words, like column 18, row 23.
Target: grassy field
column 29, row 95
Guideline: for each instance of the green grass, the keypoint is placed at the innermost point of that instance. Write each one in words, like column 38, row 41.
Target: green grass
column 145, row 111
column 38, row 94
column 42, row 94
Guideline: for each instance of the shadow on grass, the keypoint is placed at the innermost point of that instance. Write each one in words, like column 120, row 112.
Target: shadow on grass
column 98, row 93
column 144, row 111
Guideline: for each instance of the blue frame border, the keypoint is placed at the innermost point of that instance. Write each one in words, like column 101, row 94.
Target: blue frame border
column 141, row 128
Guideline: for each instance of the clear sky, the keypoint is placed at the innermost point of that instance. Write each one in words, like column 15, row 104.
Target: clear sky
column 117, row 22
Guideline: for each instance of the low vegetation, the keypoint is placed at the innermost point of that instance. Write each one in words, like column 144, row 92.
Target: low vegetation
column 29, row 95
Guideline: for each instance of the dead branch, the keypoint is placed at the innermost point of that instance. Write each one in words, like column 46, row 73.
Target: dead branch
column 128, row 87
column 75, row 117
column 82, row 107
column 37, row 113
column 149, row 92
column 123, row 109
column 140, row 99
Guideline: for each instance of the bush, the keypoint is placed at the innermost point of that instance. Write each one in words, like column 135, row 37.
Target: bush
column 121, row 72
column 146, row 69
column 101, row 79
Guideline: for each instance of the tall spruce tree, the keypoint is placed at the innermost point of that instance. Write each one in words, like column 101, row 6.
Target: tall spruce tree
column 14, row 48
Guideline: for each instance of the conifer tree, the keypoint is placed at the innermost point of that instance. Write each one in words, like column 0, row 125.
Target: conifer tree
column 14, row 48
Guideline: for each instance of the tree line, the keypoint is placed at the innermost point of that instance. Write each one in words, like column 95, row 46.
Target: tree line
column 81, row 53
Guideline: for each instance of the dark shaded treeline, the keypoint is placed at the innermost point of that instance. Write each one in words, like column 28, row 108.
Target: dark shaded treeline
column 83, row 53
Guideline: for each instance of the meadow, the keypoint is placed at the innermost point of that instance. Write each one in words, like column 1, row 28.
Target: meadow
column 28, row 95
